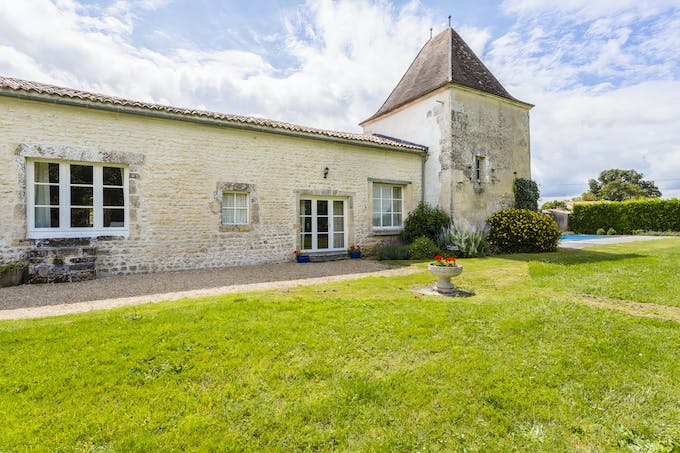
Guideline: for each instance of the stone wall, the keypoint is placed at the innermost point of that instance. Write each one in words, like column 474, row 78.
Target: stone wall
column 496, row 130
column 61, row 260
column 177, row 169
column 427, row 122
column 458, row 124
column 561, row 218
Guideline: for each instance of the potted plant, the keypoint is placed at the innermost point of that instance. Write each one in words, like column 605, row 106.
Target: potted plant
column 11, row 274
column 354, row 251
column 444, row 269
column 300, row 258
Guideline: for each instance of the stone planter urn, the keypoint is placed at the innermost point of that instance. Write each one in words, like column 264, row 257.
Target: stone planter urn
column 11, row 277
column 444, row 274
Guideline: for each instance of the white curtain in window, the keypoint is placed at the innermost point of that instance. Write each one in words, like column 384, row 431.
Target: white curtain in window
column 235, row 209
column 42, row 195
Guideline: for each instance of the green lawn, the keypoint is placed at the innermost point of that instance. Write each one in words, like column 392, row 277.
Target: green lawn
column 364, row 365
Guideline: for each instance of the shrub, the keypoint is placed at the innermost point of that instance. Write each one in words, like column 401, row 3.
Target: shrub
column 601, row 231
column 11, row 266
column 526, row 194
column 423, row 248
column 465, row 240
column 425, row 220
column 611, row 231
column 523, row 230
column 394, row 251
column 656, row 233
column 626, row 216
column 557, row 204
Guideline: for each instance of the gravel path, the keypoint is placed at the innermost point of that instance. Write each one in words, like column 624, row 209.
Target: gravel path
column 140, row 285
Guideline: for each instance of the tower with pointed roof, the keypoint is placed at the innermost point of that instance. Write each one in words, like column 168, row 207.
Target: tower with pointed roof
column 477, row 134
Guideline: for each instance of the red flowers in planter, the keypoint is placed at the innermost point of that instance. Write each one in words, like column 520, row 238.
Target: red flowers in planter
column 447, row 262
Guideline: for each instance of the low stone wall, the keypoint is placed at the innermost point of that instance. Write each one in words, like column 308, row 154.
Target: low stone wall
column 561, row 218
column 61, row 260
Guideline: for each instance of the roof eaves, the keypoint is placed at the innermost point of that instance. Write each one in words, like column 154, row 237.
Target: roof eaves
column 47, row 93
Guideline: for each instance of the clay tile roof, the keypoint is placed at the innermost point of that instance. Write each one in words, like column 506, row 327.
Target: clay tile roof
column 25, row 86
column 444, row 59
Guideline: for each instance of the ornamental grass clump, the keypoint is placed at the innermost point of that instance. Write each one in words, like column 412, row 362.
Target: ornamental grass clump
column 465, row 239
column 523, row 231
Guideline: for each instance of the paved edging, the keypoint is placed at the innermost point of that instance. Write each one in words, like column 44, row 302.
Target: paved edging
column 582, row 243
column 107, row 304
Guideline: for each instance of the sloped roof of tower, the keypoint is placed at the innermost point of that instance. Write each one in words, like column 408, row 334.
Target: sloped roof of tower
column 444, row 59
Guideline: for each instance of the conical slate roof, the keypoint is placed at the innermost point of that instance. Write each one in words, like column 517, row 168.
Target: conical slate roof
column 444, row 59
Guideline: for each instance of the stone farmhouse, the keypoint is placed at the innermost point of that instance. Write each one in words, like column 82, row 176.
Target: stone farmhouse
column 99, row 185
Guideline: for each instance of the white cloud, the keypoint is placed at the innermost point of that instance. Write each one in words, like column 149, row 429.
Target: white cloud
column 587, row 9
column 605, row 89
column 581, row 134
column 346, row 56
column 604, row 75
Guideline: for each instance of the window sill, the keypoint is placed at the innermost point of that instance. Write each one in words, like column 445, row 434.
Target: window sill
column 237, row 228
column 55, row 234
column 393, row 232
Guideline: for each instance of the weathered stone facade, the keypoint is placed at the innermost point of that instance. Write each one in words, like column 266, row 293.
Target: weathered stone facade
column 177, row 170
column 477, row 134
column 448, row 134
column 460, row 125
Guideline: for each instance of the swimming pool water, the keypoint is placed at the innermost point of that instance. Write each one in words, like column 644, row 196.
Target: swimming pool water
column 580, row 237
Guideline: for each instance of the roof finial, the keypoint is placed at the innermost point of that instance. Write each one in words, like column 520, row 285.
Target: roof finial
column 449, row 21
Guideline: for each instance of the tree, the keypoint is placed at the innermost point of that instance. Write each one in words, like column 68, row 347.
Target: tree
column 619, row 185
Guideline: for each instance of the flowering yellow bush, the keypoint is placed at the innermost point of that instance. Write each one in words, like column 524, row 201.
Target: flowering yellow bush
column 522, row 230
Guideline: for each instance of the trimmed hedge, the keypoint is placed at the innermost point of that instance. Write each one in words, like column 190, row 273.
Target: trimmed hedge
column 626, row 216
column 523, row 231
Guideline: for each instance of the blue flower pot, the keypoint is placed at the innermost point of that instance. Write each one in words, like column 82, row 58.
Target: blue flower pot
column 355, row 255
column 302, row 259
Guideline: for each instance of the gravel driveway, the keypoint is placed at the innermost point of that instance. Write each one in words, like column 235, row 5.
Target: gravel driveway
column 175, row 282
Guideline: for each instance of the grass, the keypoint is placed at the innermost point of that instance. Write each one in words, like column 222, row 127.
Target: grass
column 365, row 365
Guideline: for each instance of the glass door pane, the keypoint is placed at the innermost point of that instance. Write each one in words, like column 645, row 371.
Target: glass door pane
column 306, row 224
column 322, row 224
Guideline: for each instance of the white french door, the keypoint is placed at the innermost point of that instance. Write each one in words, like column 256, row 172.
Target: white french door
column 323, row 224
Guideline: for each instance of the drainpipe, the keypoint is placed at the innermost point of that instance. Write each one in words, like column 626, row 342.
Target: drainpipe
column 422, row 176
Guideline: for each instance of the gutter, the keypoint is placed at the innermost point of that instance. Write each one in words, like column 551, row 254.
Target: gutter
column 200, row 120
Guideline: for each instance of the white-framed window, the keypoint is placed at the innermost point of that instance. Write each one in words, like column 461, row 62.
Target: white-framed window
column 235, row 209
column 76, row 199
column 388, row 206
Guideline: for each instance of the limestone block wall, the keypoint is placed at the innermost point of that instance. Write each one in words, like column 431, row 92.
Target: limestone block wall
column 458, row 125
column 426, row 121
column 177, row 172
column 497, row 131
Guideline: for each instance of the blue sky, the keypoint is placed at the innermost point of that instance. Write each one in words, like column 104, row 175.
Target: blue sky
column 604, row 74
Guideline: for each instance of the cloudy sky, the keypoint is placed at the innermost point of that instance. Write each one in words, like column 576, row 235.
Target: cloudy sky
column 604, row 74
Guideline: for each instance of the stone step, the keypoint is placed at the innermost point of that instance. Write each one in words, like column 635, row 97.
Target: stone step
column 321, row 257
